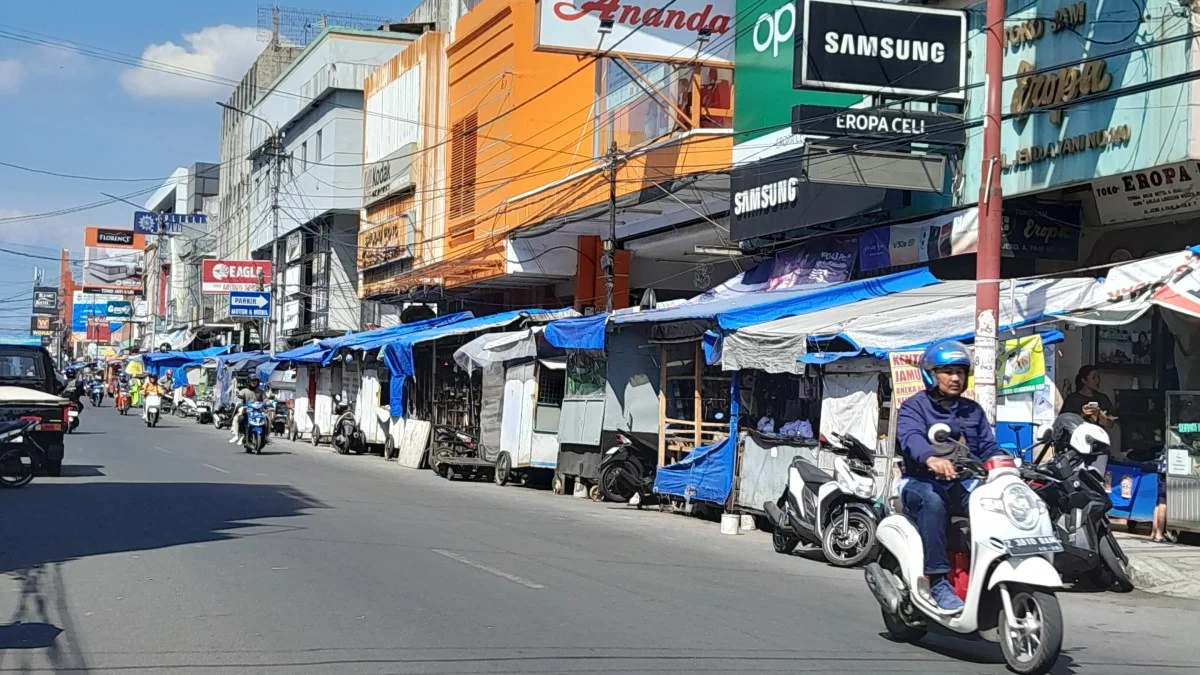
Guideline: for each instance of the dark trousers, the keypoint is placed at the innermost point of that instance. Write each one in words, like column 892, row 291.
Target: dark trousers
column 929, row 504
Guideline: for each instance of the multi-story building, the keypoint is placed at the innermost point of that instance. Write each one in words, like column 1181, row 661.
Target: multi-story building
column 532, row 115
column 171, row 280
column 311, row 226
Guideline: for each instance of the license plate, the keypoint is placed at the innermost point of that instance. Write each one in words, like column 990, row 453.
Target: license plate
column 203, row 409
column 1022, row 546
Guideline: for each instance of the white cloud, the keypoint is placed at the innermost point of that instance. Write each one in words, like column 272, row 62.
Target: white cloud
column 12, row 72
column 223, row 51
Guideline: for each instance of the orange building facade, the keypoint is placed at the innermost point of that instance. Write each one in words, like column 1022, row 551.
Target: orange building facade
column 528, row 175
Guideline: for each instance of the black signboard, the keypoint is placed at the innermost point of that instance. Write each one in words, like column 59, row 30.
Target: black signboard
column 878, row 48
column 905, row 125
column 106, row 237
column 1044, row 230
column 771, row 196
column 45, row 300
column 42, row 326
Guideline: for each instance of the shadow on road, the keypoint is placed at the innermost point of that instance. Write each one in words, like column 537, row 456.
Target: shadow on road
column 82, row 470
column 65, row 521
column 37, row 635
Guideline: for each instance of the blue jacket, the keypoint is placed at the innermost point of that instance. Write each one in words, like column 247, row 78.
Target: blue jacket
column 965, row 418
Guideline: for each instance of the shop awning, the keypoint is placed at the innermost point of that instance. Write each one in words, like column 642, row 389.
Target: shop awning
column 1170, row 281
column 156, row 363
column 397, row 353
column 905, row 320
column 308, row 353
column 374, row 339
column 497, row 348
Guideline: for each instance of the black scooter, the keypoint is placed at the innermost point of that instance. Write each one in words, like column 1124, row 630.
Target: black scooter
column 1079, row 507
column 345, row 436
column 628, row 470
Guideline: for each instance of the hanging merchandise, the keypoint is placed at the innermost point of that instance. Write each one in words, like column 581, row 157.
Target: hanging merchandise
column 850, row 405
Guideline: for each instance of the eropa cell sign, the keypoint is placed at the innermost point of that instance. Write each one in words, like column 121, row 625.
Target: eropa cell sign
column 658, row 30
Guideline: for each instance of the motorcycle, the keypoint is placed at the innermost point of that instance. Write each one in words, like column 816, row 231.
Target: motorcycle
column 204, row 409
column 123, row 401
column 279, row 423
column 256, row 427
column 836, row 512
column 627, row 470
column 346, row 436
column 1079, row 507
column 96, row 393
column 153, row 406
column 1002, row 568
column 222, row 417
column 73, row 410
column 168, row 403
column 185, row 408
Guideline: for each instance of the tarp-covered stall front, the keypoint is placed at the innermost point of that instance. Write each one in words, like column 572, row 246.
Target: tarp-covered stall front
column 530, row 374
column 439, row 392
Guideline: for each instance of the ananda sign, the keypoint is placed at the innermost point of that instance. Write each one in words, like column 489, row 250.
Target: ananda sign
column 678, row 30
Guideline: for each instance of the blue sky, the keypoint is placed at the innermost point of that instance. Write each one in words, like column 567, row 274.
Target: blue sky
column 69, row 112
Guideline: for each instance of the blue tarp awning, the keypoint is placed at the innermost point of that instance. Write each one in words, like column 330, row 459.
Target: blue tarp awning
column 302, row 354
column 706, row 474
column 156, row 363
column 584, row 332
column 374, row 339
column 812, row 299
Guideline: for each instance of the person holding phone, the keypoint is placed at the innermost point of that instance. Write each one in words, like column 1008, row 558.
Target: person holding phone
column 1087, row 400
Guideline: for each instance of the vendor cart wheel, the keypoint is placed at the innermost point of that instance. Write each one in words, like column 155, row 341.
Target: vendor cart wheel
column 389, row 448
column 291, row 432
column 559, row 485
column 503, row 471
column 594, row 494
column 316, row 436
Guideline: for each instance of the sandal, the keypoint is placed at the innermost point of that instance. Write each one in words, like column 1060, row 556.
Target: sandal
column 1158, row 540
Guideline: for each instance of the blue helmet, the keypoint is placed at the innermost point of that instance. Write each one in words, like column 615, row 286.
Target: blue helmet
column 943, row 354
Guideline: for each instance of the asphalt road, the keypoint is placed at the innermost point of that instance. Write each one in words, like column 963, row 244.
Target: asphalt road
column 168, row 551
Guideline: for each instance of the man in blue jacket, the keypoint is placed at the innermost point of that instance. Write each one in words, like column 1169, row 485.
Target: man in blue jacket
column 932, row 493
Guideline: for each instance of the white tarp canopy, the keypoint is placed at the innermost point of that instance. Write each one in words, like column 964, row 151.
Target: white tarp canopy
column 902, row 320
column 497, row 348
column 1168, row 280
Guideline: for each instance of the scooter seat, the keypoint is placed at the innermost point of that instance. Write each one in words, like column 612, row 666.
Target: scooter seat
column 813, row 476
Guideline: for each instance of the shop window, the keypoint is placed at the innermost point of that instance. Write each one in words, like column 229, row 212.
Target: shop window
column 552, row 388
column 587, row 374
column 464, row 146
column 640, row 101
column 780, row 403
column 317, row 150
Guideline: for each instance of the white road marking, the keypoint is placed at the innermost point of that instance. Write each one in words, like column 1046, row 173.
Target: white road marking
column 163, row 450
column 215, row 468
column 487, row 568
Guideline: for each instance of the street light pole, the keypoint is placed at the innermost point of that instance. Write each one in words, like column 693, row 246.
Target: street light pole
column 987, row 257
column 275, row 145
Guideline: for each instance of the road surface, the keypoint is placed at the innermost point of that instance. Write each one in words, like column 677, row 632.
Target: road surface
column 169, row 551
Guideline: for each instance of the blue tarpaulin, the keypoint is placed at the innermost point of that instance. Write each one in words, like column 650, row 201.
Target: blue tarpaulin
column 705, row 475
column 157, row 363
column 816, row 298
column 398, row 353
column 584, row 332
column 309, row 353
column 374, row 339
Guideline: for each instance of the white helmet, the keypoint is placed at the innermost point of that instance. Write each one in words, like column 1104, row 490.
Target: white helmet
column 1086, row 438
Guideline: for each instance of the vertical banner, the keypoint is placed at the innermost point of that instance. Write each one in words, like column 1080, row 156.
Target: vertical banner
column 906, row 377
column 1021, row 366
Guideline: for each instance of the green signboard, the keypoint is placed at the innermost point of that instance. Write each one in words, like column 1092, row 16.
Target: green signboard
column 763, row 94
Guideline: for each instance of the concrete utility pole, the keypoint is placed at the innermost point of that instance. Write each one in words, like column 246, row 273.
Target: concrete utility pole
column 610, row 244
column 274, row 148
column 991, row 204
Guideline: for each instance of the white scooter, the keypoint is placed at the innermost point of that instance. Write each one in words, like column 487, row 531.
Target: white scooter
column 152, row 405
column 836, row 512
column 1010, row 594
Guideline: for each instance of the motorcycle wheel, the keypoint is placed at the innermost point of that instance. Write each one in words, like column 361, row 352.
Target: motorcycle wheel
column 897, row 629
column 389, row 448
column 340, row 448
column 1034, row 648
column 316, row 436
column 503, row 470
column 259, row 441
column 154, row 420
column 782, row 541
column 1112, row 572
column 611, row 486
column 850, row 548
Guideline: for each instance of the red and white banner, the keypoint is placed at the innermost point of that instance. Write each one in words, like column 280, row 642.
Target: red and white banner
column 218, row 277
column 655, row 30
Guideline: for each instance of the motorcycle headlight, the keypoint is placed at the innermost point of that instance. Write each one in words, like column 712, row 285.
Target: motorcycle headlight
column 1022, row 506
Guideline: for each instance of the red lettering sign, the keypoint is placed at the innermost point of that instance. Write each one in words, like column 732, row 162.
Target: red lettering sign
column 219, row 277
column 633, row 15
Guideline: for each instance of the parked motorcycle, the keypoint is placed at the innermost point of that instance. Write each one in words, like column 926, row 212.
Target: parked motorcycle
column 204, row 410
column 167, row 404
column 222, row 417
column 346, row 436
column 153, row 407
column 256, row 427
column 186, row 407
column 627, row 470
column 279, row 423
column 1003, row 570
column 96, row 393
column 836, row 512
column 1079, row 504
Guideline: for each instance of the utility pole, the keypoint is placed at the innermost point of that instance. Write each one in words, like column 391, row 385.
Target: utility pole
column 610, row 244
column 987, row 257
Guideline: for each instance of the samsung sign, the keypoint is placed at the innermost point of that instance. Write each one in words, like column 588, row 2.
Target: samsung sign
column 878, row 48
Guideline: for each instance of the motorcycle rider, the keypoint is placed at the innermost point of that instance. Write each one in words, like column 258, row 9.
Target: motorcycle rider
column 244, row 396
column 931, row 492
column 150, row 388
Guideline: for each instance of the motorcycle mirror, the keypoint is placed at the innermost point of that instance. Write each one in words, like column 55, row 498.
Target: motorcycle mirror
column 939, row 433
column 1044, row 433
